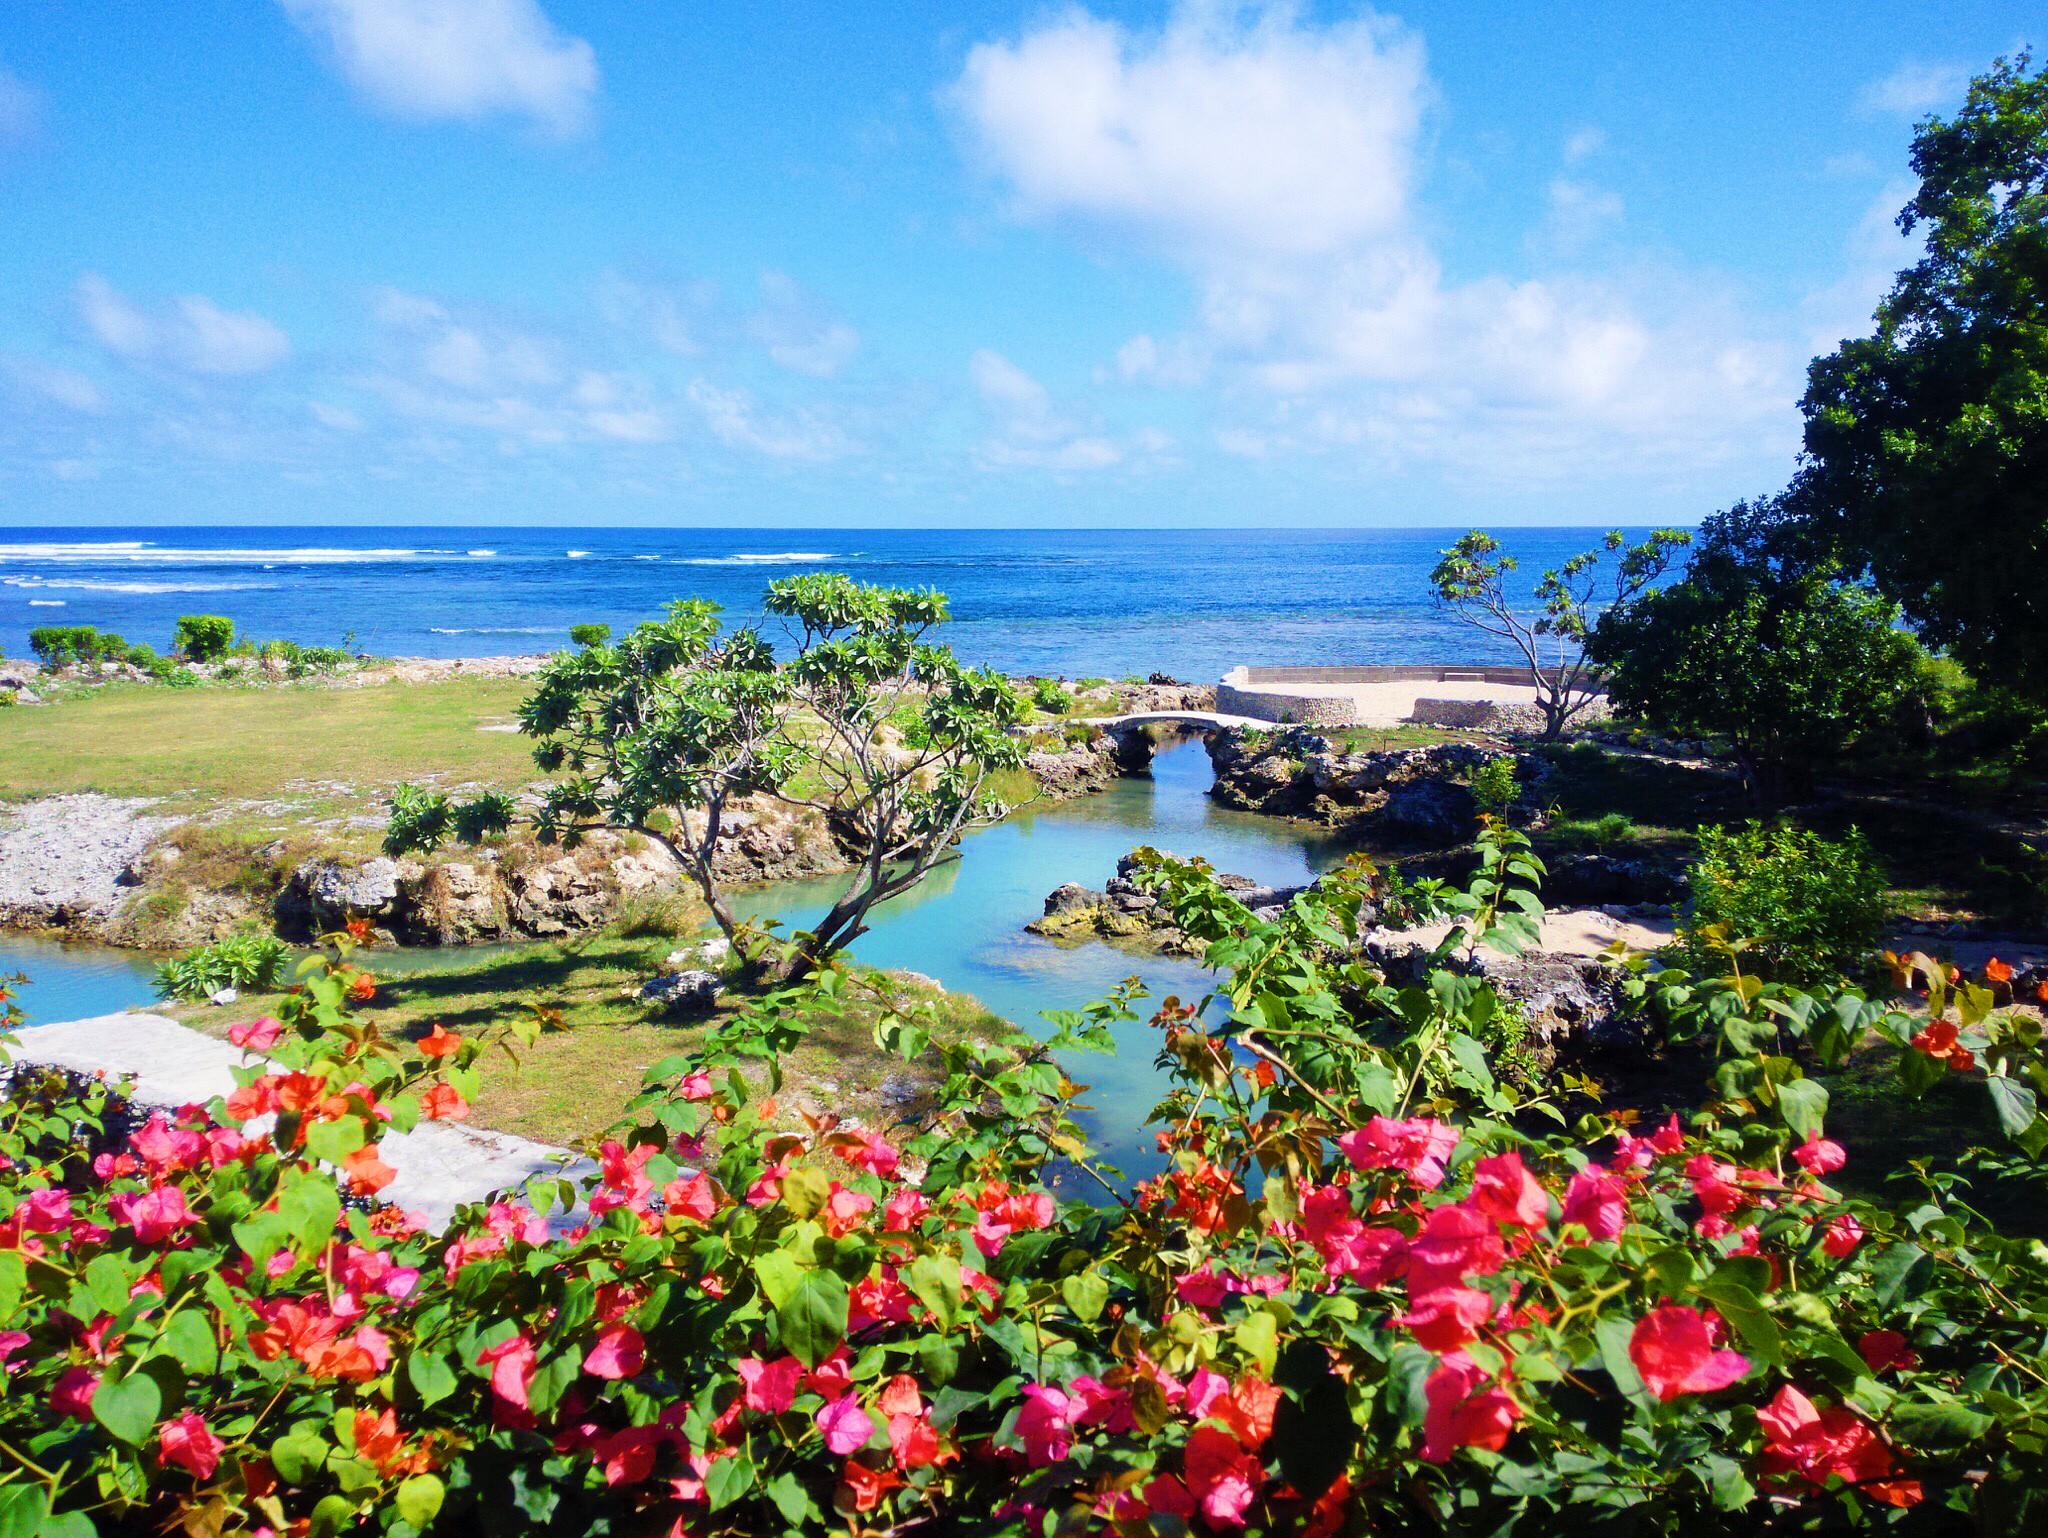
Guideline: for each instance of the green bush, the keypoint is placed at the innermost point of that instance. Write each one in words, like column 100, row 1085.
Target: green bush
column 203, row 637
column 64, row 645
column 1804, row 909
column 1602, row 832
column 587, row 636
column 1494, row 785
column 239, row 961
column 1048, row 696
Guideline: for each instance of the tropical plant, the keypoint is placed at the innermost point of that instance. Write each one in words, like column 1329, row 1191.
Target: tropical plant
column 869, row 722
column 1470, row 583
column 1783, row 660
column 1049, row 697
column 1373, row 1288
column 203, row 637
column 250, row 961
column 1926, row 450
column 1793, row 906
column 587, row 636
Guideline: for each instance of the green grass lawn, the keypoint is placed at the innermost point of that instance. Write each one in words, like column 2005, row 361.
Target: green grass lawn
column 251, row 742
column 574, row 1082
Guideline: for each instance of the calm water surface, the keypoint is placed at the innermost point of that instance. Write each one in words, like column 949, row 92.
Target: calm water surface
column 964, row 926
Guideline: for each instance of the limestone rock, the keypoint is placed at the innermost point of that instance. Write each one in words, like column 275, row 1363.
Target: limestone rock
column 683, row 993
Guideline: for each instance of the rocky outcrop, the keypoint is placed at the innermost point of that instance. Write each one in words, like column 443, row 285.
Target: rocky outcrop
column 1572, row 1003
column 1065, row 769
column 65, row 860
column 1410, row 796
column 685, row 994
column 1123, row 912
column 762, row 839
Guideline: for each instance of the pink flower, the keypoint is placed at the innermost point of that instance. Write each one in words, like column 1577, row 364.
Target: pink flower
column 1417, row 1147
column 1462, row 1408
column 1842, row 1237
column 846, row 1426
column 1596, row 1202
column 904, row 1210
column 11, row 1341
column 1223, row 1478
column 512, row 1364
column 188, row 1443
column 1447, row 1317
column 770, row 1387
column 693, row 1198
column 1508, row 1193
column 1818, row 1444
column 1673, row 1350
column 874, row 1153
column 618, row 1352
column 73, row 1391
column 156, row 1215
column 695, row 1086
column 44, row 1212
column 1456, row 1241
column 256, row 1035
column 1818, row 1156
column 832, row 1377
column 1045, row 1424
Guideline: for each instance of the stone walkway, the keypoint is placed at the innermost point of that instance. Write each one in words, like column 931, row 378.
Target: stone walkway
column 441, row 1165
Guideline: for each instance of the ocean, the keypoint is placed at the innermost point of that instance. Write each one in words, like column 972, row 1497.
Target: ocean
column 1066, row 602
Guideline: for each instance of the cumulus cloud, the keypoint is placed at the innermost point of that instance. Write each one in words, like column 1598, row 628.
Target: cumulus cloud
column 1030, row 432
column 1914, row 89
column 1274, row 160
column 464, row 59
column 1872, row 257
column 736, row 420
column 191, row 333
column 798, row 333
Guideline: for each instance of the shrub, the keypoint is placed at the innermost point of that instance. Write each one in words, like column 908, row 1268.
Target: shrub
column 1494, row 785
column 1809, row 909
column 1368, row 1292
column 203, row 637
column 1049, row 697
column 239, row 961
column 64, row 645
column 1602, row 832
column 587, row 636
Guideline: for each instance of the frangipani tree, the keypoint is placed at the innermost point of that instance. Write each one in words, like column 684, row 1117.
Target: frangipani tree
column 884, row 732
column 1470, row 583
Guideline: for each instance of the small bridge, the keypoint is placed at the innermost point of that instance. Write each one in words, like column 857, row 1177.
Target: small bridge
column 1201, row 720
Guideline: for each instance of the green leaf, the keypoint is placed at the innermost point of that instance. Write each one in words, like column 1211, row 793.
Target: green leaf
column 299, row 1459
column 1257, row 1336
column 431, row 1376
column 779, row 1274
column 792, row 1500
column 333, row 1141
column 1312, row 1426
column 1738, row 1303
column 24, row 1511
column 813, row 1321
column 936, row 1281
column 1728, row 1483
column 1086, row 1293
column 68, row 1524
column 261, row 1235
column 128, row 1407
column 188, row 1340
column 1892, row 1273
column 2015, row 1104
column 1939, row 1426
column 940, row 1358
column 1613, row 1336
column 728, row 1479
column 419, row 1499
column 1804, row 1104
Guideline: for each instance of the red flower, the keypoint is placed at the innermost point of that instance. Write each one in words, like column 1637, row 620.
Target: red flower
column 1939, row 1039
column 1817, row 1445
column 1448, row 1317
column 72, row 1394
column 1508, row 1193
column 511, row 1363
column 1464, row 1409
column 1596, row 1202
column 443, row 1102
column 1418, row 1148
column 188, row 1443
column 367, row 1173
column 1046, row 1424
column 1886, row 1348
column 1223, row 1478
column 692, row 1198
column 770, row 1387
column 256, row 1035
column 438, row 1042
column 155, row 1215
column 1996, row 971
column 618, row 1352
column 1456, row 1241
column 1673, row 1350
column 363, row 989
column 1818, row 1156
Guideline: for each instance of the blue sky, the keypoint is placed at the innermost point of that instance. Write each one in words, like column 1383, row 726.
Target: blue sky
column 510, row 261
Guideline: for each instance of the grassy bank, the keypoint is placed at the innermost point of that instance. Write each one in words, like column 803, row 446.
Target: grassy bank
column 267, row 742
column 598, row 1037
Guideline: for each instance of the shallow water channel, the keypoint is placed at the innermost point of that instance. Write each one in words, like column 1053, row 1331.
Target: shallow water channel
column 964, row 926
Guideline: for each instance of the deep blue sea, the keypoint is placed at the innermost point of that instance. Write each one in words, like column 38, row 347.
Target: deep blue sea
column 1067, row 602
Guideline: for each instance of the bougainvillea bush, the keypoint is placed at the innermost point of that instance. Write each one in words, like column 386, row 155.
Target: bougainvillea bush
column 1374, row 1289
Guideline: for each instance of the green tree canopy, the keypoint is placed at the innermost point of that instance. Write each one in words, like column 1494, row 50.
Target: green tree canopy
column 1785, row 660
column 1926, row 458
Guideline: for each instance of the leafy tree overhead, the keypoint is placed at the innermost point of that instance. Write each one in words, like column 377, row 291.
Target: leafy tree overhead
column 1926, row 456
column 1470, row 582
column 1785, row 660
column 884, row 732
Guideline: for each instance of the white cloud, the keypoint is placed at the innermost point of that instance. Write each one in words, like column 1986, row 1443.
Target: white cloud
column 1913, row 90
column 467, row 59
column 796, row 331
column 1584, row 143
column 734, row 419
column 1873, row 255
column 1273, row 160
column 67, row 387
column 339, row 418
column 1264, row 137
column 190, row 333
column 1030, row 433
column 20, row 107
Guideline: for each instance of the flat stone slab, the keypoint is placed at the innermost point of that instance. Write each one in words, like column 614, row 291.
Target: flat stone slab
column 441, row 1165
